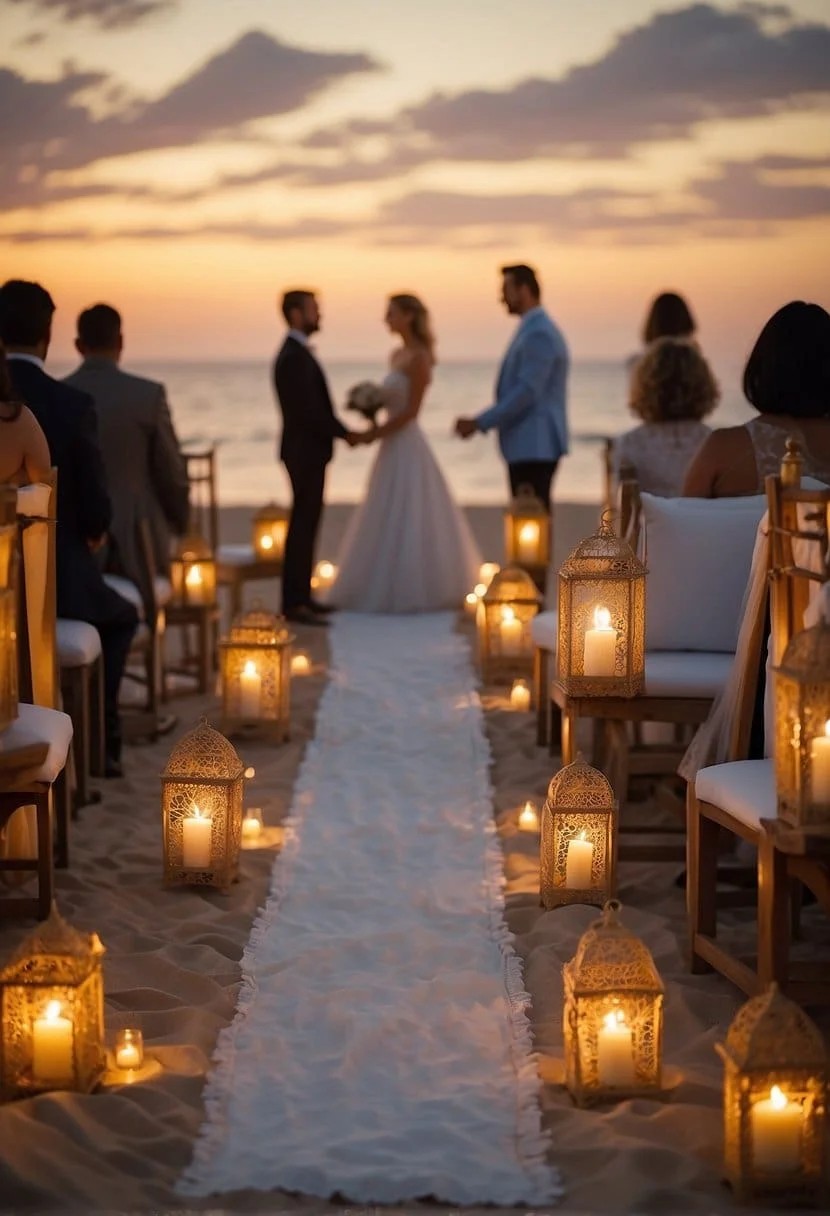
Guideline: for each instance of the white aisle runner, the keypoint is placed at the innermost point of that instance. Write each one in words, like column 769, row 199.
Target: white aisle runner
column 380, row 1050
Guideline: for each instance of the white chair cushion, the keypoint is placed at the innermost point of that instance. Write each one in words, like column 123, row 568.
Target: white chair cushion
column 163, row 589
column 699, row 552
column 33, row 499
column 686, row 673
column 235, row 555
column 128, row 590
column 35, row 724
column 78, row 643
column 743, row 788
column 543, row 630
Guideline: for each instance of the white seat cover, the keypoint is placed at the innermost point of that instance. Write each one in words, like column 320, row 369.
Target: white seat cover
column 235, row 555
column 686, row 673
column 543, row 629
column 35, row 724
column 79, row 644
column 743, row 788
column 128, row 590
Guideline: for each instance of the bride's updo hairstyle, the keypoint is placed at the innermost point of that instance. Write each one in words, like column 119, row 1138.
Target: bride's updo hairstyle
column 421, row 327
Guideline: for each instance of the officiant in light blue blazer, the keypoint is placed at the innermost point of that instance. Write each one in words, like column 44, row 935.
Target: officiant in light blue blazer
column 529, row 412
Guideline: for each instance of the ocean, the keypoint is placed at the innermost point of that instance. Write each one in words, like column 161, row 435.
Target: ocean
column 232, row 406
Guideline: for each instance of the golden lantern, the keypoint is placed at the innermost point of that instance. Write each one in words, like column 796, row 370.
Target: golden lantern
column 504, row 613
column 270, row 527
column 201, row 810
column 256, row 674
column 801, row 691
column 52, row 1012
column 602, row 618
column 775, row 1100
column 613, row 1015
column 193, row 573
column 527, row 531
column 578, row 851
column 8, row 606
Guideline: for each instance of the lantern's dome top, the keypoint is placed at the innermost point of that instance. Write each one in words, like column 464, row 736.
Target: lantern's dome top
column 580, row 785
column 193, row 547
column 610, row 957
column 260, row 625
column 807, row 656
column 527, row 504
column 771, row 1030
column 603, row 554
column 510, row 585
column 271, row 511
column 204, row 753
column 54, row 939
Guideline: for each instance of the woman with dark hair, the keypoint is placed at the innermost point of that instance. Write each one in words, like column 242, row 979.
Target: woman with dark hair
column 787, row 380
column 24, row 452
column 668, row 317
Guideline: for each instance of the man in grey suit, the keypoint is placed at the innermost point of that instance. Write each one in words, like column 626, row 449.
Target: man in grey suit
column 145, row 470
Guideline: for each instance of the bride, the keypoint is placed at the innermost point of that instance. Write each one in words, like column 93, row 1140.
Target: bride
column 408, row 547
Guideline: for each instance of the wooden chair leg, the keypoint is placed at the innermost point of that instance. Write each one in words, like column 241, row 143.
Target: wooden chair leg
column 205, row 656
column 541, row 695
column 701, row 878
column 97, row 753
column 616, row 759
column 568, row 736
column 773, row 914
column 45, row 862
column 61, row 802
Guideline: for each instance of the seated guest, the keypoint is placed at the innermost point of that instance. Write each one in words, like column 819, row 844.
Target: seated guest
column 668, row 317
column 24, row 452
column 672, row 389
column 67, row 418
column 145, row 470
column 787, row 380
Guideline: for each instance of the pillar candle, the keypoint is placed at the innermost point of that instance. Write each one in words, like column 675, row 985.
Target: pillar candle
column 300, row 664
column 250, row 691
column 252, row 823
column 52, row 1046
column 820, row 766
column 511, row 632
column 600, row 646
column 776, row 1133
column 528, row 546
column 195, row 585
column 196, row 837
column 578, row 863
column 615, row 1053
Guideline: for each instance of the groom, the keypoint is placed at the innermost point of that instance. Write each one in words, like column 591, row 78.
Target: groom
column 309, row 428
column 529, row 410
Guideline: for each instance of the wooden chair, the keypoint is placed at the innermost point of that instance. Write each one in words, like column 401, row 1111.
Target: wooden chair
column 738, row 798
column 81, row 673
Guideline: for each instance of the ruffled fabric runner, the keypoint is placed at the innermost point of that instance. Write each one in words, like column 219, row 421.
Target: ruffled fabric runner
column 381, row 1050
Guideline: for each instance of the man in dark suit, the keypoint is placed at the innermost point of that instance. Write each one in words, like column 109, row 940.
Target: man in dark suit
column 68, row 420
column 309, row 428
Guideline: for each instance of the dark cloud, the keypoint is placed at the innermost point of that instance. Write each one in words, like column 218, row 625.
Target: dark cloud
column 109, row 14
column 746, row 191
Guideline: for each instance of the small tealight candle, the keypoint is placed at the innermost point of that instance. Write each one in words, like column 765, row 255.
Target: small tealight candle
column 578, row 863
column 196, row 840
column 615, row 1053
column 487, row 572
column 598, row 657
column 129, row 1049
column 528, row 542
column 195, row 584
column 300, row 664
column 529, row 818
column 53, row 1046
column 776, row 1133
column 511, row 632
column 250, row 690
column 520, row 695
column 252, row 823
column 820, row 765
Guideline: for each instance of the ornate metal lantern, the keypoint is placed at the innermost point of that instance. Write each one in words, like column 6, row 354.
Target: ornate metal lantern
column 270, row 527
column 256, row 674
column 201, row 810
column 579, row 838
column 602, row 625
column 801, row 689
column 613, row 1015
column 775, row 1100
column 8, row 606
column 52, row 1012
column 504, row 614
column 527, row 531
column 193, row 573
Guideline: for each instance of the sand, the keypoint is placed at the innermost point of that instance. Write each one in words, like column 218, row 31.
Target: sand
column 172, row 960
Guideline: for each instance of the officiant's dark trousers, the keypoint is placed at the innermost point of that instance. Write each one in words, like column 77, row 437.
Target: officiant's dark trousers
column 538, row 474
column 307, row 485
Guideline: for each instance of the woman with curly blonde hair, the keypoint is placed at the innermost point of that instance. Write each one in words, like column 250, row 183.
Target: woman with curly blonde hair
column 672, row 390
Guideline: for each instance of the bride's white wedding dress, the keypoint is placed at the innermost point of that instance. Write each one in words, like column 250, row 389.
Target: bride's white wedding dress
column 408, row 547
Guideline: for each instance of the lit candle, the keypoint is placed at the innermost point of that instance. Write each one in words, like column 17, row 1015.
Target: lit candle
column 615, row 1053
column 528, row 546
column 300, row 664
column 196, row 834
column 250, row 690
column 820, row 765
column 326, row 572
column 511, row 632
column 529, row 819
column 129, row 1049
column 600, row 646
column 520, row 695
column 578, row 863
column 52, row 1046
column 252, row 823
column 776, row 1132
column 195, row 584
column 266, row 543
column 487, row 572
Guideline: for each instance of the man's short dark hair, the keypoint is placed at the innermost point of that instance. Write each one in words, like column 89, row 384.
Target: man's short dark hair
column 524, row 276
column 99, row 327
column 295, row 298
column 25, row 313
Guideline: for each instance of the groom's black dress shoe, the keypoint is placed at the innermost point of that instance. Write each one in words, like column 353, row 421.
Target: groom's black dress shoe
column 305, row 616
column 322, row 609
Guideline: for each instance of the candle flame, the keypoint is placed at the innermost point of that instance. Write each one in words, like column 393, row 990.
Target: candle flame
column 602, row 618
column 53, row 1011
column 471, row 598
column 325, row 569
column 197, row 813
column 193, row 578
column 529, row 532
column 266, row 542
column 249, row 668
column 250, row 771
column 508, row 613
column 488, row 570
column 479, row 589
column 614, row 1019
column 778, row 1098
column 582, row 835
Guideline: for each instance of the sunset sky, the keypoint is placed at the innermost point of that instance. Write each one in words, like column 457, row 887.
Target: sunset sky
column 186, row 159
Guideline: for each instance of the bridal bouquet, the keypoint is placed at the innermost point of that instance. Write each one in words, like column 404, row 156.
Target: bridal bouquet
column 365, row 398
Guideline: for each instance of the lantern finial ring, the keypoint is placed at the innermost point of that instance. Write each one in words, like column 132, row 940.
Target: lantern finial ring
column 611, row 912
column 606, row 522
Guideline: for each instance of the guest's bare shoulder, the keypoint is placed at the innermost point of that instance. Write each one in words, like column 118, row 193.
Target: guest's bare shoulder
column 723, row 466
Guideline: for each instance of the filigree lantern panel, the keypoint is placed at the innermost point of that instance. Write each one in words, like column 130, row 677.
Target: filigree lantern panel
column 801, row 690
column 775, row 1100
column 52, row 1012
column 202, row 810
column 256, row 673
column 613, row 1014
column 8, row 657
column 527, row 530
column 504, row 617
column 578, row 841
column 193, row 573
column 270, row 528
column 602, row 596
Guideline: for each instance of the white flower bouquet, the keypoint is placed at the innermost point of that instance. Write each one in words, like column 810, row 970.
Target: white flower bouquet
column 365, row 398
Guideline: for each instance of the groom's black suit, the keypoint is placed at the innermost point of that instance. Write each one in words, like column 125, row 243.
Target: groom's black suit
column 309, row 428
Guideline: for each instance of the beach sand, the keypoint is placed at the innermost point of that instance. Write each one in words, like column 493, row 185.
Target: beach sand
column 173, row 960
